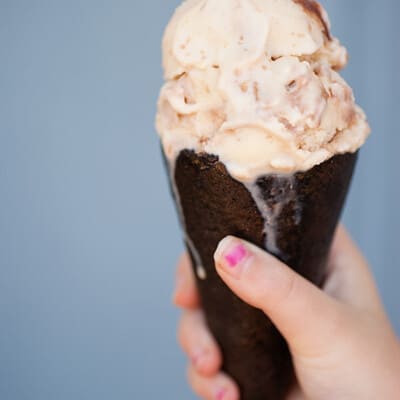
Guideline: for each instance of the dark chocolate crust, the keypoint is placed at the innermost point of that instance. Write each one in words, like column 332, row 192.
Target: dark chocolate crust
column 216, row 205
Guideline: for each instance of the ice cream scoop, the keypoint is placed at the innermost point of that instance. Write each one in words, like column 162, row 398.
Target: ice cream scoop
column 260, row 135
column 255, row 82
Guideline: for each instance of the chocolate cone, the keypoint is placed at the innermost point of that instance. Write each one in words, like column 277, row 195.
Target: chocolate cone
column 302, row 212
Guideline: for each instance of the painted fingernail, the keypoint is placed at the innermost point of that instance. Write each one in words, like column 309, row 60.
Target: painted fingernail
column 235, row 255
column 221, row 394
column 230, row 255
column 196, row 357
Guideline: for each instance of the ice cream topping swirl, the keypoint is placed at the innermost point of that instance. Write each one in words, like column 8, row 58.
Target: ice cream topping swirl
column 255, row 83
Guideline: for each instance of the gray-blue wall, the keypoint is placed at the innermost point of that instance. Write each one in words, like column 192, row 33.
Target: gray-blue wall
column 88, row 234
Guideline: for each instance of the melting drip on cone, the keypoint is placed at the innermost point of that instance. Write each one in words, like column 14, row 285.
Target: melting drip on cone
column 200, row 270
column 271, row 211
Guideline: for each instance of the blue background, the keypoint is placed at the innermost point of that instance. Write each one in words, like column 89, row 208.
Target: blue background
column 88, row 233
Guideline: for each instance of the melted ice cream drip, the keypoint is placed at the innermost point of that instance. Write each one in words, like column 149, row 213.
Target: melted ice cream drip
column 200, row 270
column 271, row 208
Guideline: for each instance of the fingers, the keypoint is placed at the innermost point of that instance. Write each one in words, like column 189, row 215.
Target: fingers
column 186, row 295
column 198, row 343
column 305, row 315
column 343, row 247
column 350, row 279
column 217, row 387
column 193, row 335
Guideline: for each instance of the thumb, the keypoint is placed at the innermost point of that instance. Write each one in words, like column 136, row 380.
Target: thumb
column 307, row 317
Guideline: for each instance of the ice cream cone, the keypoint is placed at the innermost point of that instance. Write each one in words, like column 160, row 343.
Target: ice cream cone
column 260, row 134
column 292, row 216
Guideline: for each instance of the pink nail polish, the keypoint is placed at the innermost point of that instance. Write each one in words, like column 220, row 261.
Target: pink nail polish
column 235, row 255
column 220, row 394
column 196, row 358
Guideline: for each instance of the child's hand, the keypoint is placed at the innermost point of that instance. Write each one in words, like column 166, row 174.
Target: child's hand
column 341, row 341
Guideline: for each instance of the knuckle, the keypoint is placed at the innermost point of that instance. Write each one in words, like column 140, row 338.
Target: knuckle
column 188, row 329
column 181, row 332
column 190, row 377
column 338, row 328
column 194, row 381
column 287, row 289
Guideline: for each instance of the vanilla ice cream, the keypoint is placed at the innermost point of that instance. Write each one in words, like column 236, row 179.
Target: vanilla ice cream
column 255, row 83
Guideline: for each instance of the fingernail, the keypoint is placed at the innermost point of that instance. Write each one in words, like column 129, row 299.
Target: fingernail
column 230, row 255
column 196, row 357
column 221, row 393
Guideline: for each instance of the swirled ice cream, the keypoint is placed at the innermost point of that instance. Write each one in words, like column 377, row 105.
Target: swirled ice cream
column 255, row 82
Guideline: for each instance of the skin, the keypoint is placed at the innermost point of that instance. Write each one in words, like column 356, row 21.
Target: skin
column 341, row 341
